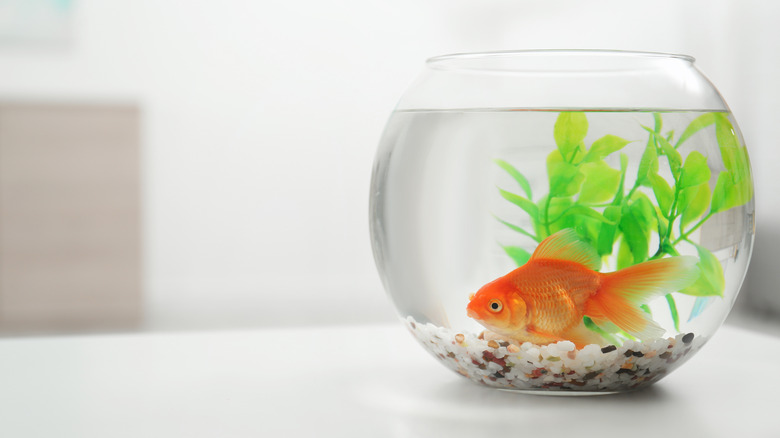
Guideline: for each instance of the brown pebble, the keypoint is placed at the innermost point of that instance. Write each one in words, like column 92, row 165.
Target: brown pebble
column 493, row 344
column 512, row 348
column 459, row 338
column 503, row 343
column 627, row 366
column 591, row 375
column 665, row 355
column 608, row 348
column 572, row 354
column 650, row 354
column 414, row 326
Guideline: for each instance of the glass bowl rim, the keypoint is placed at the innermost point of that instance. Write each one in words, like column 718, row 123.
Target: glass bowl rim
column 463, row 61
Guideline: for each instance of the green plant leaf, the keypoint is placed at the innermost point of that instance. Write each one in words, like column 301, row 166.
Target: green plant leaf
column 735, row 158
column 621, row 187
column 738, row 188
column 673, row 311
column 527, row 205
column 555, row 213
column 517, row 176
column 663, row 193
column 600, row 183
column 695, row 126
column 659, row 123
column 586, row 212
column 634, row 236
column 569, row 132
column 603, row 147
column 588, row 322
column 663, row 222
column 711, row 281
column 693, row 202
column 725, row 133
column 624, row 258
column 674, row 157
column 519, row 255
column 518, row 229
column 728, row 194
column 699, row 305
column 695, row 170
column 565, row 178
column 587, row 228
column 636, row 223
column 648, row 164
column 608, row 231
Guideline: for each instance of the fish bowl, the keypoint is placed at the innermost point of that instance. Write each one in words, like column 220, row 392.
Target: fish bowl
column 562, row 221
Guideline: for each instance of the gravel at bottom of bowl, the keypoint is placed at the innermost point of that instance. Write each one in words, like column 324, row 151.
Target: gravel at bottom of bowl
column 555, row 367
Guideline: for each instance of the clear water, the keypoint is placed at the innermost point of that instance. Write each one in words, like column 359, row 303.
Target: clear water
column 437, row 208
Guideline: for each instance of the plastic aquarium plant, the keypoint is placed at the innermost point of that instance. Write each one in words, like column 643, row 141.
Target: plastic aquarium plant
column 589, row 196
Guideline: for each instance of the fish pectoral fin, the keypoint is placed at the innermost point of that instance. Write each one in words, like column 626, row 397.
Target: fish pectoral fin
column 536, row 332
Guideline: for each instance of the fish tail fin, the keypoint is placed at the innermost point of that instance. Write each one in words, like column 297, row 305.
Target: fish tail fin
column 622, row 292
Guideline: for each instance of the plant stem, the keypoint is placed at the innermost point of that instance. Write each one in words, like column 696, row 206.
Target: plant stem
column 633, row 189
column 547, row 214
column 685, row 235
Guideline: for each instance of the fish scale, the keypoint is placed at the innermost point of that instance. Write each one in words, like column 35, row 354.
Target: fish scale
column 549, row 304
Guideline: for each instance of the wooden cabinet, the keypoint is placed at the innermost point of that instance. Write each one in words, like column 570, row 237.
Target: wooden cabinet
column 70, row 217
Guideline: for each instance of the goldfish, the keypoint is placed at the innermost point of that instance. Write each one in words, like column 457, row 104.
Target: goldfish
column 545, row 300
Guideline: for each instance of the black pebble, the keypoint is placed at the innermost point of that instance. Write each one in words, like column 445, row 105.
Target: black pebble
column 628, row 353
column 638, row 354
column 688, row 338
column 498, row 375
column 608, row 348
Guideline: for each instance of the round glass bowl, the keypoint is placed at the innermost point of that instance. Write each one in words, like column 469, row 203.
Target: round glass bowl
column 562, row 221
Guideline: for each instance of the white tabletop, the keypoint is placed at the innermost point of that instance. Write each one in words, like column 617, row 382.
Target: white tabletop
column 372, row 381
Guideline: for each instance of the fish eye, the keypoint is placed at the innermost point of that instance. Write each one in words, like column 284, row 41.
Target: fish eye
column 495, row 306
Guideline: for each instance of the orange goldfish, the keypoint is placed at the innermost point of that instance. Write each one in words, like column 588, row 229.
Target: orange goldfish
column 544, row 301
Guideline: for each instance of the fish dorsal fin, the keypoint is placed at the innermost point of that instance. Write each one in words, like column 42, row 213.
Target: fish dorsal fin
column 566, row 245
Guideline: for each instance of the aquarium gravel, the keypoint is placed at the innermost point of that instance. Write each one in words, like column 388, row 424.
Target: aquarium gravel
column 559, row 366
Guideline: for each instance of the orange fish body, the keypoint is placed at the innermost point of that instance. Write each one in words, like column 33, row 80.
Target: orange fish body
column 545, row 300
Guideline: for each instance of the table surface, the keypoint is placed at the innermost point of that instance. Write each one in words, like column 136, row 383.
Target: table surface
column 370, row 381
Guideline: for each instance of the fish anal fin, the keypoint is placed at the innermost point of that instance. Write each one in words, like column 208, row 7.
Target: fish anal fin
column 567, row 245
column 581, row 336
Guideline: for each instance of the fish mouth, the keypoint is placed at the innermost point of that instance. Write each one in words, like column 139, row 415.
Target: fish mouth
column 472, row 314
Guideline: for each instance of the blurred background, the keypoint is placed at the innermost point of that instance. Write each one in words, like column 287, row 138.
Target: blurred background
column 178, row 165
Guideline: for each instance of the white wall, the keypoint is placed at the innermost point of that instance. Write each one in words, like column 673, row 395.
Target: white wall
column 261, row 120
